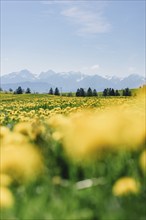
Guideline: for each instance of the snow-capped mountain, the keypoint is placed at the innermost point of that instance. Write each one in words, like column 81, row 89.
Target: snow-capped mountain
column 67, row 81
column 45, row 75
column 16, row 77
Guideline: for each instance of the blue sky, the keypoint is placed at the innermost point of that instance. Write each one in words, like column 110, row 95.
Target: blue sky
column 103, row 37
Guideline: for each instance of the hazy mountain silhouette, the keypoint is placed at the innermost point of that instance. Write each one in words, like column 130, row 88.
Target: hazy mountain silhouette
column 67, row 81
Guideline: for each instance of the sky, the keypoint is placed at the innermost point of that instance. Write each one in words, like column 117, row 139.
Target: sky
column 90, row 36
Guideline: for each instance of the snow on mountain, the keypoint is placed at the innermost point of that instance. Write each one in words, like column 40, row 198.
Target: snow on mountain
column 68, row 81
column 14, row 77
column 45, row 75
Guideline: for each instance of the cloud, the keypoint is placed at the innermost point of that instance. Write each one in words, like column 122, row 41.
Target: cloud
column 89, row 21
column 95, row 67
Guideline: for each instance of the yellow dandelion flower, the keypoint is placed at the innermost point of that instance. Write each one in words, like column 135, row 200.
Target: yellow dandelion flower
column 5, row 180
column 21, row 162
column 85, row 132
column 57, row 136
column 6, row 198
column 31, row 130
column 4, row 131
column 142, row 161
column 14, row 138
column 58, row 120
column 125, row 186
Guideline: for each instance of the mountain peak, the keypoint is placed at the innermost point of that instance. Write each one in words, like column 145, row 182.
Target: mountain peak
column 69, row 81
column 45, row 75
column 25, row 73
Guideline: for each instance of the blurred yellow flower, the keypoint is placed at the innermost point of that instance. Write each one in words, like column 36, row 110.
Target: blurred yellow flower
column 5, row 179
column 32, row 130
column 4, row 131
column 14, row 138
column 88, row 132
column 22, row 163
column 142, row 161
column 57, row 136
column 125, row 186
column 6, row 198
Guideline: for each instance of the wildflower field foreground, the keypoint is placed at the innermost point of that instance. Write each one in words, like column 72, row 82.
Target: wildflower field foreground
column 72, row 158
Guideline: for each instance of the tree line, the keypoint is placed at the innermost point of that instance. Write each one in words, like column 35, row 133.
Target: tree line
column 80, row 92
column 19, row 90
column 106, row 92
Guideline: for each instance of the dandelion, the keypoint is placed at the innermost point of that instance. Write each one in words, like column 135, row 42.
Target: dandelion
column 6, row 198
column 28, row 129
column 14, row 138
column 4, row 131
column 57, row 136
column 5, row 180
column 125, row 186
column 22, row 163
column 87, row 132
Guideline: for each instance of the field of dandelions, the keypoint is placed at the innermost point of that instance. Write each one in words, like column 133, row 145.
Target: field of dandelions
column 69, row 158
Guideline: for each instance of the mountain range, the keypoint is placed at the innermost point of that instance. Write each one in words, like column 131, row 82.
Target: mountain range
column 67, row 81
